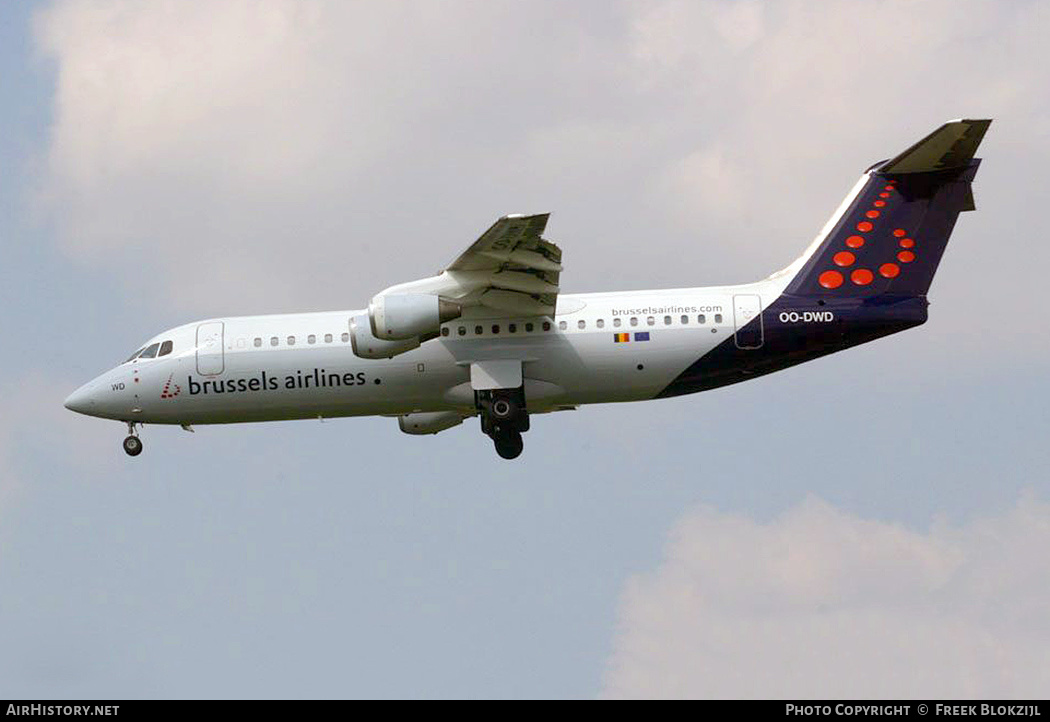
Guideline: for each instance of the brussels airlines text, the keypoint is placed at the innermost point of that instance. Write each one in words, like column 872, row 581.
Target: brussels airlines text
column 317, row 379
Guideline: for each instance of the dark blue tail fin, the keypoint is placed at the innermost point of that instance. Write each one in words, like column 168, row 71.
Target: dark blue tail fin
column 893, row 232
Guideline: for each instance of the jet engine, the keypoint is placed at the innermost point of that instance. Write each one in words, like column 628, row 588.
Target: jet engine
column 429, row 422
column 366, row 345
column 406, row 315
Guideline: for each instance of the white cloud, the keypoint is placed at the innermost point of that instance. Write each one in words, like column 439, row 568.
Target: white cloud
column 235, row 156
column 822, row 603
column 205, row 148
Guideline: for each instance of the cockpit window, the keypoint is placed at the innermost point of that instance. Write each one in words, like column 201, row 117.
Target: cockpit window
column 135, row 355
column 151, row 351
column 165, row 348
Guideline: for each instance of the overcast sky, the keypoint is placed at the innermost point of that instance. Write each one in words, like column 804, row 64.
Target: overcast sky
column 870, row 524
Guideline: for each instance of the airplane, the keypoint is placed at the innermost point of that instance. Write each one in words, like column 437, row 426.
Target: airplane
column 492, row 335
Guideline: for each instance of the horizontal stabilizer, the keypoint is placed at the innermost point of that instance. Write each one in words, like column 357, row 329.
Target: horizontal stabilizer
column 951, row 146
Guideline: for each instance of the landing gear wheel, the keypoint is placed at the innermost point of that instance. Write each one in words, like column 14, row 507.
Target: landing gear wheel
column 502, row 409
column 503, row 418
column 509, row 444
column 132, row 446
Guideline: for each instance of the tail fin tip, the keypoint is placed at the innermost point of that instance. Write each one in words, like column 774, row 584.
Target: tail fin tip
column 890, row 233
column 951, row 146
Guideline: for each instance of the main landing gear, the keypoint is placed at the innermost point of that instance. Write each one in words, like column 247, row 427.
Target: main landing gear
column 503, row 419
column 132, row 443
column 509, row 445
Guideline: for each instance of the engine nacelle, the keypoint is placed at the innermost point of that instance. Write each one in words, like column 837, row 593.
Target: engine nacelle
column 367, row 345
column 407, row 315
column 429, row 422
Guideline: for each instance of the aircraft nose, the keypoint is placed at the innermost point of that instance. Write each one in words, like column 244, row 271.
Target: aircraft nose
column 82, row 400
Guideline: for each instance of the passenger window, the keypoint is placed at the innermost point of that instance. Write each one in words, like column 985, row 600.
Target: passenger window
column 345, row 337
column 151, row 351
column 512, row 327
column 444, row 331
column 311, row 339
column 562, row 325
column 701, row 318
column 462, row 331
column 718, row 318
column 328, row 338
column 685, row 320
column 528, row 328
column 650, row 320
column 667, row 320
column 634, row 320
column 478, row 330
column 495, row 328
column 546, row 325
column 616, row 322
column 581, row 324
column 165, row 348
column 273, row 340
column 291, row 340
column 257, row 342
column 600, row 323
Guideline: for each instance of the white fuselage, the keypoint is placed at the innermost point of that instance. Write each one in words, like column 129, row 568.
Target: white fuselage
column 303, row 366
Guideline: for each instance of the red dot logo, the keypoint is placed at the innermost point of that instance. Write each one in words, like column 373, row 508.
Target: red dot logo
column 905, row 256
column 889, row 270
column 844, row 258
column 889, row 187
column 900, row 233
column 879, row 204
column 907, row 243
column 855, row 241
column 831, row 279
column 862, row 277
column 884, row 195
column 864, row 226
column 170, row 390
column 872, row 214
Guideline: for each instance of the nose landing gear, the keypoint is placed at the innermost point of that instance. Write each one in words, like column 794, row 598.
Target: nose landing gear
column 132, row 443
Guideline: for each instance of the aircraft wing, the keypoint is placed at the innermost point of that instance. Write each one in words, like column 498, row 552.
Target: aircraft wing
column 510, row 270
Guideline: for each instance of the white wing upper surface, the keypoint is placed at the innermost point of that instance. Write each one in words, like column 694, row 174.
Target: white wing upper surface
column 510, row 270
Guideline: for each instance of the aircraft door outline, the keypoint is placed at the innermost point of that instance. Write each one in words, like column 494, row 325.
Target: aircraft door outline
column 210, row 359
column 746, row 307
